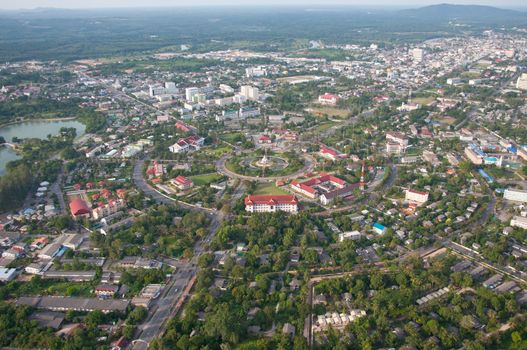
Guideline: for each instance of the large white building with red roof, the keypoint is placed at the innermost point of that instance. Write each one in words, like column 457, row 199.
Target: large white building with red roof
column 271, row 204
column 191, row 143
column 328, row 99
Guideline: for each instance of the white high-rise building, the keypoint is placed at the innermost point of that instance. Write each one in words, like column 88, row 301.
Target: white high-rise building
column 252, row 93
column 190, row 92
column 170, row 87
column 521, row 83
column 417, row 54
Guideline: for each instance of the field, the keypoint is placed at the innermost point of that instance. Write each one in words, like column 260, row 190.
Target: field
column 446, row 120
column 233, row 137
column 321, row 111
column 219, row 151
column 299, row 79
column 206, row 179
column 269, row 189
column 423, row 101
column 324, row 127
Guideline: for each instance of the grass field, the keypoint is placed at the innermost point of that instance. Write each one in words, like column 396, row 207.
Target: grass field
column 269, row 189
column 206, row 179
column 323, row 127
column 221, row 151
column 329, row 111
column 232, row 137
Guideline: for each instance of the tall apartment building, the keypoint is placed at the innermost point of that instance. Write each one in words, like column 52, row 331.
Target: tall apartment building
column 251, row 92
column 521, row 83
column 191, row 92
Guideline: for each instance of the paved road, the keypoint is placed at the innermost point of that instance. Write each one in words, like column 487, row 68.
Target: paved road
column 164, row 307
column 309, row 166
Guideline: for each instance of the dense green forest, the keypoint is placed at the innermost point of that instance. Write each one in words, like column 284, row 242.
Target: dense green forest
column 69, row 34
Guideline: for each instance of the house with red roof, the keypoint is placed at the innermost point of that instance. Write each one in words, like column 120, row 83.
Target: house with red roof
column 182, row 183
column 155, row 170
column 271, row 204
column 184, row 127
column 119, row 344
column 265, row 139
column 330, row 153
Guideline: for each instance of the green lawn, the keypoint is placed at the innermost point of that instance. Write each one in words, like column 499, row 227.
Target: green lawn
column 323, row 127
column 232, row 137
column 205, row 179
column 218, row 152
column 269, row 189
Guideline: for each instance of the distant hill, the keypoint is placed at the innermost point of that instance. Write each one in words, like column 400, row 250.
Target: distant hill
column 464, row 12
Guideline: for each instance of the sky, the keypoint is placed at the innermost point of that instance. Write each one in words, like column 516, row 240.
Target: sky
column 29, row 4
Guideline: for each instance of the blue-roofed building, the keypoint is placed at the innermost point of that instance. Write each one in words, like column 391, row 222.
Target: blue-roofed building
column 379, row 229
column 486, row 176
column 512, row 149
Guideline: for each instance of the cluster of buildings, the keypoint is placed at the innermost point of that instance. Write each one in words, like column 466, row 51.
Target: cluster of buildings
column 326, row 188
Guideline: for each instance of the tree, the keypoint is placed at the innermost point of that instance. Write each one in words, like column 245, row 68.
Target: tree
column 516, row 337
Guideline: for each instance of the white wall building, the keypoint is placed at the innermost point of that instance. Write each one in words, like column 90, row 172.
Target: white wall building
column 515, row 195
column 416, row 196
column 519, row 221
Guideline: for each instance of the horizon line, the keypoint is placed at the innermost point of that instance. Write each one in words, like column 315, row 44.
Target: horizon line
column 317, row 6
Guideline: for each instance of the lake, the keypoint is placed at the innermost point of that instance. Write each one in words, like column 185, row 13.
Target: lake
column 32, row 129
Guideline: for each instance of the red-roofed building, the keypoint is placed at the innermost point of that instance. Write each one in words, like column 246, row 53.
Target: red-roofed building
column 265, row 139
column 119, row 344
column 271, row 204
column 416, row 197
column 328, row 99
column 191, row 143
column 79, row 207
column 182, row 183
column 184, row 127
column 106, row 193
column 325, row 187
column 155, row 170
column 330, row 153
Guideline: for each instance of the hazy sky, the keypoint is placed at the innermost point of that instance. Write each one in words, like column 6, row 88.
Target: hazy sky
column 19, row 4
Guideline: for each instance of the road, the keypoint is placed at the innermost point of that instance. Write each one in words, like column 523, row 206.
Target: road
column 166, row 306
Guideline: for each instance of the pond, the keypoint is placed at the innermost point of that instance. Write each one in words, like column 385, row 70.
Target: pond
column 32, row 129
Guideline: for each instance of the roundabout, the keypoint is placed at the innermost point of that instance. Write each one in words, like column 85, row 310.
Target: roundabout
column 268, row 163
column 266, row 168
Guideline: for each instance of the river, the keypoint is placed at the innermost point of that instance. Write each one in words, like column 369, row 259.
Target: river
column 32, row 129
